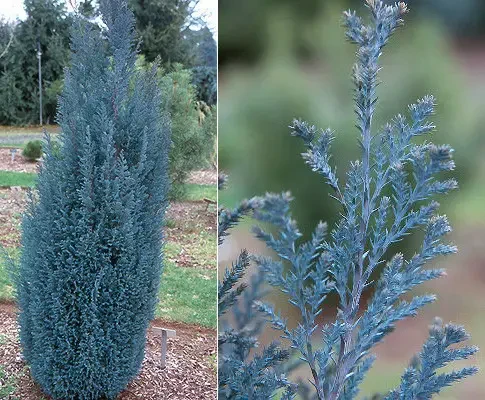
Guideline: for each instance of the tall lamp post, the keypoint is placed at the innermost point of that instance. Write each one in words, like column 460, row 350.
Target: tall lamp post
column 39, row 57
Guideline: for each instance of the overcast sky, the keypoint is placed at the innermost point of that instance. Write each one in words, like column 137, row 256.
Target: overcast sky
column 12, row 9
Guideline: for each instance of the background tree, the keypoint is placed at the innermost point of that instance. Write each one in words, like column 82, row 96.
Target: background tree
column 6, row 36
column 193, row 127
column 204, row 74
column 204, row 47
column 48, row 23
column 88, row 8
column 243, row 25
column 168, row 29
column 161, row 25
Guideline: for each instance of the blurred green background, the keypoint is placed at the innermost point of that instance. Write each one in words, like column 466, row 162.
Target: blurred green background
column 284, row 59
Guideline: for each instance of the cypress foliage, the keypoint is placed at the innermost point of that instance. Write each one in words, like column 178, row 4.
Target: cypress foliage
column 245, row 371
column 91, row 248
column 388, row 194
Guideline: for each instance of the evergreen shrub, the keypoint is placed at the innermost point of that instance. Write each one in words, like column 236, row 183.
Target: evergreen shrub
column 90, row 266
column 265, row 98
column 32, row 150
column 192, row 141
column 205, row 80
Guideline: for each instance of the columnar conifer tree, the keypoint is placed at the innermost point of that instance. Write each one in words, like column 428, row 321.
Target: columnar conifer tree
column 91, row 248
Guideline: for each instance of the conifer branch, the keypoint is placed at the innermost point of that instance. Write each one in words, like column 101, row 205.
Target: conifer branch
column 388, row 193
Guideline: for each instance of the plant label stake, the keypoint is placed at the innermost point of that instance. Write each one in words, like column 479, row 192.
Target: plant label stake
column 209, row 202
column 12, row 153
column 165, row 333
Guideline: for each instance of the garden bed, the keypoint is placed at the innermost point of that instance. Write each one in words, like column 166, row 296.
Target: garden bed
column 12, row 204
column 191, row 234
column 20, row 164
column 190, row 371
column 203, row 177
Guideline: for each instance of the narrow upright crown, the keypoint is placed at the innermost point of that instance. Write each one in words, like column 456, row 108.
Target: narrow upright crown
column 91, row 246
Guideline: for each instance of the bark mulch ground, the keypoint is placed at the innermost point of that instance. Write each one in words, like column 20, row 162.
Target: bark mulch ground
column 190, row 372
column 12, row 204
column 190, row 217
column 20, row 164
column 192, row 226
column 203, row 177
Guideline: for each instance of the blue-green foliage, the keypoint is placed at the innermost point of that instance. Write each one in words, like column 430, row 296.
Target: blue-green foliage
column 420, row 380
column 91, row 247
column 205, row 80
column 239, row 375
column 387, row 195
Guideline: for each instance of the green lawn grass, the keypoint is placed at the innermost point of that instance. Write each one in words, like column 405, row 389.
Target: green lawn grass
column 7, row 385
column 12, row 145
column 24, row 179
column 188, row 295
column 22, row 130
column 6, row 290
column 196, row 192
column 203, row 248
column 200, row 246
